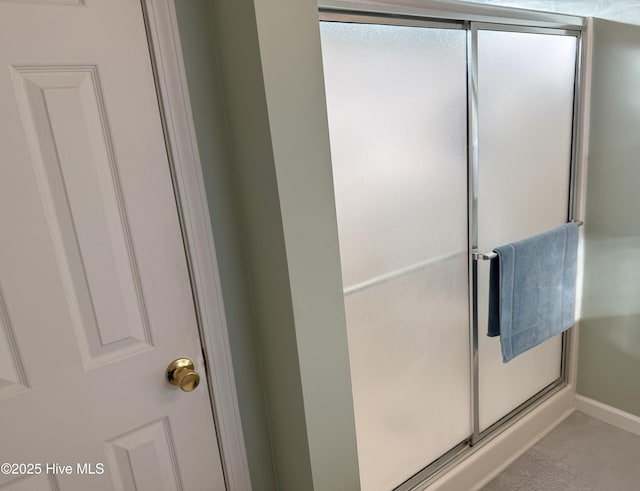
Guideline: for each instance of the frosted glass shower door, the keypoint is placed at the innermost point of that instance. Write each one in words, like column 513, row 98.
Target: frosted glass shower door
column 396, row 99
column 525, row 114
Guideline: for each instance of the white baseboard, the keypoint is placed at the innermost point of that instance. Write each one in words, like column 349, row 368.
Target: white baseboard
column 491, row 459
column 608, row 414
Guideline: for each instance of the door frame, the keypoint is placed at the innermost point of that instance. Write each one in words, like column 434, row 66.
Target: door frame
column 515, row 432
column 184, row 160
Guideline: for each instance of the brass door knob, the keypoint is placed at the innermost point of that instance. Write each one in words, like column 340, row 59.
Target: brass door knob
column 181, row 372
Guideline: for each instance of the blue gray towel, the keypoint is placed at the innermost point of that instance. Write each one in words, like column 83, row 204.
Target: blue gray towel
column 532, row 289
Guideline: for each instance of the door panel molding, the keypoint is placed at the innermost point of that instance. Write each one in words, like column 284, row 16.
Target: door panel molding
column 168, row 64
column 41, row 482
column 148, row 447
column 72, row 153
column 13, row 378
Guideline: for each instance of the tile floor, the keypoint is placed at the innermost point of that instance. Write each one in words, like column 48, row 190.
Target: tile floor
column 580, row 454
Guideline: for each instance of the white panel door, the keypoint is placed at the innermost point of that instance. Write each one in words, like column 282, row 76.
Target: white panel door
column 525, row 114
column 95, row 299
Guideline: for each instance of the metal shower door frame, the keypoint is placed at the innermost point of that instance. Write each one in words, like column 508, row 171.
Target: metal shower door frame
column 496, row 19
column 472, row 86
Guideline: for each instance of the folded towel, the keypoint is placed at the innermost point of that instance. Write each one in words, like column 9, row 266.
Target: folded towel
column 532, row 289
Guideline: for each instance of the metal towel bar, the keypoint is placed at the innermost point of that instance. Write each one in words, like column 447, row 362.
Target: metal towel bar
column 486, row 256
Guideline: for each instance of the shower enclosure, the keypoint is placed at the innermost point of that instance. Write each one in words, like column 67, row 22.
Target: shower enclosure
column 448, row 137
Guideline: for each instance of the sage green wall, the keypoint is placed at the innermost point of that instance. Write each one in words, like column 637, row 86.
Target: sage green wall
column 609, row 346
column 272, row 76
column 207, row 104
column 277, row 187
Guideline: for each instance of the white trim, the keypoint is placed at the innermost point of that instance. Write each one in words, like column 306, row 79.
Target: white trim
column 608, row 414
column 491, row 459
column 166, row 52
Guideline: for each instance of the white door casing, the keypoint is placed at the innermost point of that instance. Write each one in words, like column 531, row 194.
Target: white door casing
column 95, row 298
column 165, row 46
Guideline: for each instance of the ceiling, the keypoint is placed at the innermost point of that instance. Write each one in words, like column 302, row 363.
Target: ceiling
column 627, row 11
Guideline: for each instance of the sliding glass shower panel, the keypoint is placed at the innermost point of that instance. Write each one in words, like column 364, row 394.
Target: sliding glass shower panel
column 410, row 376
column 396, row 99
column 525, row 114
